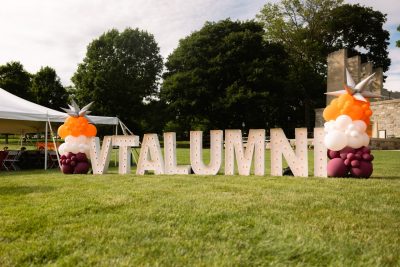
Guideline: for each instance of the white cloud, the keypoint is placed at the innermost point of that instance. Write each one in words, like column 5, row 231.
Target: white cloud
column 56, row 33
column 393, row 75
column 392, row 9
column 389, row 7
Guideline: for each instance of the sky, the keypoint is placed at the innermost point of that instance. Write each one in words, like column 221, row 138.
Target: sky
column 56, row 33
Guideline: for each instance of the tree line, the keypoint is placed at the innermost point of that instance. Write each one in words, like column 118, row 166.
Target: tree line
column 262, row 73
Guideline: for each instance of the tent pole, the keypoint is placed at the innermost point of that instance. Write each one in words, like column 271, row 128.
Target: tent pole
column 54, row 143
column 115, row 154
column 45, row 147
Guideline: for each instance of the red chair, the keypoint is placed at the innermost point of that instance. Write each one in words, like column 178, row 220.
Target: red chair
column 52, row 159
column 11, row 160
column 3, row 155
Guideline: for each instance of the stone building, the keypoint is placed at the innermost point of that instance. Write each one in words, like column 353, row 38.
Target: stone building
column 385, row 120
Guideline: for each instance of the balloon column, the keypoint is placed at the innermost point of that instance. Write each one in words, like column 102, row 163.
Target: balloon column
column 76, row 131
column 346, row 137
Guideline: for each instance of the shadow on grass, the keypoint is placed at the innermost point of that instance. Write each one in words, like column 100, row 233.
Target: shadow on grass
column 24, row 190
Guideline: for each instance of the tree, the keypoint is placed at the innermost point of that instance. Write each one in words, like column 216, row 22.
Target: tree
column 310, row 30
column 120, row 74
column 15, row 79
column 359, row 29
column 224, row 75
column 47, row 89
column 398, row 41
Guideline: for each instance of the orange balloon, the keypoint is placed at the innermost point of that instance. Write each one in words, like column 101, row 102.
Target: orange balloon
column 62, row 131
column 90, row 130
column 347, row 105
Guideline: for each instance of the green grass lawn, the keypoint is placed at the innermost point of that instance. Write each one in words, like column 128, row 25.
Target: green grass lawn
column 47, row 218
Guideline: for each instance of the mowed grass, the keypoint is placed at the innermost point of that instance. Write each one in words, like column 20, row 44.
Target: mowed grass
column 47, row 218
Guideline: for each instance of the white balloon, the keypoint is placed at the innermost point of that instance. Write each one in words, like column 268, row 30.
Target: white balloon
column 76, row 141
column 68, row 138
column 351, row 127
column 81, row 139
column 329, row 126
column 342, row 122
column 88, row 140
column 355, row 142
column 74, row 148
column 61, row 149
column 335, row 140
column 354, row 133
column 366, row 139
column 360, row 125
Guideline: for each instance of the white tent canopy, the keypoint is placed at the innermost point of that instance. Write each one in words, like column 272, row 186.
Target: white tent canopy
column 20, row 116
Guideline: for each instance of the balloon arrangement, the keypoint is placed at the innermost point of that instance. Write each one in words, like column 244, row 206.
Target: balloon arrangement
column 76, row 131
column 346, row 136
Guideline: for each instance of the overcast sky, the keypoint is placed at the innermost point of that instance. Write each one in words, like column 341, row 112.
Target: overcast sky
column 55, row 33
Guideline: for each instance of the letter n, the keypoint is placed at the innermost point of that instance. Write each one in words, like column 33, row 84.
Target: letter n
column 280, row 147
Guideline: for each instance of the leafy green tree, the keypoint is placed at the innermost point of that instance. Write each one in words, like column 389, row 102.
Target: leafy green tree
column 47, row 89
column 398, row 41
column 359, row 29
column 224, row 75
column 310, row 30
column 120, row 74
column 15, row 79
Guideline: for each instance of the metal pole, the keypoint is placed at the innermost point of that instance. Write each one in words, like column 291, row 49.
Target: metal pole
column 115, row 154
column 55, row 144
column 45, row 147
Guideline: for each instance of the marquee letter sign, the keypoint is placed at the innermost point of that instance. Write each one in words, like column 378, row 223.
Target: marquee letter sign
column 150, row 158
column 196, row 152
column 280, row 146
column 234, row 147
column 171, row 166
column 237, row 153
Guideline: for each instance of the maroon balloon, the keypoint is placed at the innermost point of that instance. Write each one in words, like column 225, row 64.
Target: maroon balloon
column 333, row 154
column 365, row 149
column 63, row 157
column 69, row 155
column 363, row 171
column 347, row 162
column 81, row 157
column 345, row 151
column 67, row 169
column 81, row 168
column 337, row 168
column 355, row 163
column 367, row 157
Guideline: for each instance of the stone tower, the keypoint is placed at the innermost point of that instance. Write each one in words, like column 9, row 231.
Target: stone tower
column 337, row 63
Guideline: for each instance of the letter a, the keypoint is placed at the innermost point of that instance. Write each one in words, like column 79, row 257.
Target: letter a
column 150, row 158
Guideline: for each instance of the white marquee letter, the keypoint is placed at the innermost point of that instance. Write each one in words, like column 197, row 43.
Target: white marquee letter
column 234, row 146
column 171, row 166
column 320, row 157
column 150, row 158
column 100, row 159
column 280, row 146
column 196, row 152
column 125, row 142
